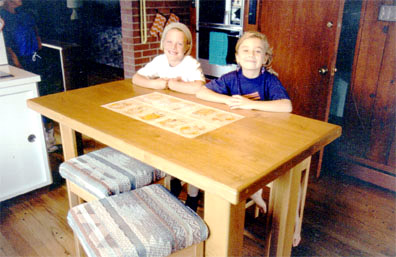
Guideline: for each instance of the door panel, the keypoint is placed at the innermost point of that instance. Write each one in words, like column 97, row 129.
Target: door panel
column 304, row 35
column 383, row 125
column 303, row 42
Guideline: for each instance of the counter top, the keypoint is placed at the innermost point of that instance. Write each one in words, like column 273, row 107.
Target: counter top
column 18, row 77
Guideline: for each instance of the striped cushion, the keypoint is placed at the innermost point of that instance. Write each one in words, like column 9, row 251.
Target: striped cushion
column 148, row 221
column 107, row 172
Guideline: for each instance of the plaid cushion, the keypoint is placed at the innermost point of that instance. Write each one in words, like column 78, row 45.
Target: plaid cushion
column 107, row 172
column 148, row 221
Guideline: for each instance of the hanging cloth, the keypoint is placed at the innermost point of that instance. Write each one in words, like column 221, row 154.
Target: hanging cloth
column 218, row 48
column 158, row 25
column 172, row 18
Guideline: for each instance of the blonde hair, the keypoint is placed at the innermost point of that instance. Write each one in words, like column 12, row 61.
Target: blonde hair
column 267, row 47
column 181, row 27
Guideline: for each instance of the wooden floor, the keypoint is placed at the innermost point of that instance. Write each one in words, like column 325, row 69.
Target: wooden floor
column 343, row 217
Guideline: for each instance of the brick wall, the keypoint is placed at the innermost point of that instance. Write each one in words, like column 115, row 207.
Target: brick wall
column 136, row 54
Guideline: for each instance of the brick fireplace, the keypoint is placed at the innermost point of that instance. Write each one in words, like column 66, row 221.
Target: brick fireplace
column 136, row 54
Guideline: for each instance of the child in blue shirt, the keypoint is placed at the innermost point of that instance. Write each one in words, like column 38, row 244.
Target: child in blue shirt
column 255, row 86
column 254, row 81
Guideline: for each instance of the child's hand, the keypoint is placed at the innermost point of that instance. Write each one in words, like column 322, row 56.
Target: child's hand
column 237, row 101
column 173, row 83
column 162, row 83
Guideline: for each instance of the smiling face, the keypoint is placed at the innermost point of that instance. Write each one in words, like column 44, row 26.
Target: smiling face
column 175, row 46
column 251, row 55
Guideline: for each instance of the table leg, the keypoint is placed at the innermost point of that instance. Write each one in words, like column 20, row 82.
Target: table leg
column 303, row 195
column 69, row 145
column 282, row 211
column 226, row 225
column 69, row 142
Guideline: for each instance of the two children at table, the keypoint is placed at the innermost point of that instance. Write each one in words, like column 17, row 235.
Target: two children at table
column 253, row 86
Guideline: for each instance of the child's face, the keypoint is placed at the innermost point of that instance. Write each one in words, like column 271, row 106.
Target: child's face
column 175, row 45
column 251, row 54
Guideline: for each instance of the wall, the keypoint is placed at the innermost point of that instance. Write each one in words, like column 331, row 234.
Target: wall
column 136, row 54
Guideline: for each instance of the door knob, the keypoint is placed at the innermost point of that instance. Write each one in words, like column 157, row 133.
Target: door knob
column 31, row 138
column 324, row 70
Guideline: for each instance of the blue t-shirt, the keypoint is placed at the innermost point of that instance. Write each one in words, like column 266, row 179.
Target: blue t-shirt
column 265, row 87
column 19, row 32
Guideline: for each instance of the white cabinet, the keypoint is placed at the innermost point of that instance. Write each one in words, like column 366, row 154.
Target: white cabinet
column 23, row 156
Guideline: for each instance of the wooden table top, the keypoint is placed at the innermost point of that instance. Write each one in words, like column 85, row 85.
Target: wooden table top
column 233, row 161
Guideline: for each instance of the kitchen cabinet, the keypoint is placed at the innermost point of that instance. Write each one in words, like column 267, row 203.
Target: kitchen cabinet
column 367, row 148
column 23, row 156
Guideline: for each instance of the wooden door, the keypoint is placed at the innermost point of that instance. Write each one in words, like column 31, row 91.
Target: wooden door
column 304, row 35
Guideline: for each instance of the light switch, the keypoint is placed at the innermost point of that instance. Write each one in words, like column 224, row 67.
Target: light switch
column 387, row 13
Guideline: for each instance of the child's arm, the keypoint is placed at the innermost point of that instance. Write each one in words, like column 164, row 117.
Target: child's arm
column 185, row 87
column 144, row 81
column 40, row 46
column 14, row 57
column 281, row 105
column 237, row 101
column 209, row 95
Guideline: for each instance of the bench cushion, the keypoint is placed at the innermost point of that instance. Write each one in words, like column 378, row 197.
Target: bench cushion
column 148, row 221
column 107, row 172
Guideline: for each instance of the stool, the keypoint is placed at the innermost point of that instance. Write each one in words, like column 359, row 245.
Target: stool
column 106, row 172
column 103, row 173
column 148, row 221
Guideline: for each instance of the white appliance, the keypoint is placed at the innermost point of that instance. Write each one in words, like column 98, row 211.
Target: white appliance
column 24, row 162
column 225, row 16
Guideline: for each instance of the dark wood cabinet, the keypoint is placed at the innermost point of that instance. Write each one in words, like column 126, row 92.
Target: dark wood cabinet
column 65, row 69
column 304, row 36
column 65, row 64
column 367, row 148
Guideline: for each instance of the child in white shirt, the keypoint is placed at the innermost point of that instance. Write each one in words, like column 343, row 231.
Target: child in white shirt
column 175, row 69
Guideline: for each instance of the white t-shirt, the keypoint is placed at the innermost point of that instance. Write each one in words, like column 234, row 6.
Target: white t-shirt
column 189, row 69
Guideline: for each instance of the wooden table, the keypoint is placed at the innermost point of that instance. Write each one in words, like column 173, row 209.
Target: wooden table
column 228, row 164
